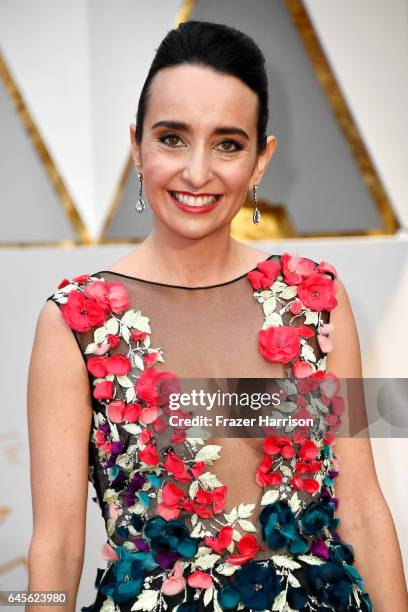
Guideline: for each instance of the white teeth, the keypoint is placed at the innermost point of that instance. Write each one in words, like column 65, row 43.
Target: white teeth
column 194, row 201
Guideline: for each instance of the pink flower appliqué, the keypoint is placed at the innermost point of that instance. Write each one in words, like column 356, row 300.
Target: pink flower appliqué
column 279, row 344
column 175, row 583
column 295, row 269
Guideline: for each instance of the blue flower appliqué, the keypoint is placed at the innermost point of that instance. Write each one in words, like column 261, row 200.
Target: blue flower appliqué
column 279, row 528
column 169, row 540
column 127, row 577
column 254, row 584
column 318, row 515
column 330, row 583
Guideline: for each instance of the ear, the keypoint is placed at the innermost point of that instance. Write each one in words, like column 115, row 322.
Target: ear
column 263, row 160
column 135, row 148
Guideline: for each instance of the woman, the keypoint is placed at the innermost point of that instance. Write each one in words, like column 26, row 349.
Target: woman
column 229, row 523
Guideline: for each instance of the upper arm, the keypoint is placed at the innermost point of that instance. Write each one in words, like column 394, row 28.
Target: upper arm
column 59, row 413
column 356, row 485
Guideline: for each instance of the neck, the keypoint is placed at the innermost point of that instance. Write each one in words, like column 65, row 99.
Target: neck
column 188, row 261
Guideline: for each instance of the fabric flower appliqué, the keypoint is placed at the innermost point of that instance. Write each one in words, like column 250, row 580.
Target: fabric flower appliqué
column 292, row 289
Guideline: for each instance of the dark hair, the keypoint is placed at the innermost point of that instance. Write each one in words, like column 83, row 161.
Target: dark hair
column 219, row 47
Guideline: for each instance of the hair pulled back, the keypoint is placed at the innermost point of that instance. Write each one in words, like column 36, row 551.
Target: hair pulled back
column 217, row 46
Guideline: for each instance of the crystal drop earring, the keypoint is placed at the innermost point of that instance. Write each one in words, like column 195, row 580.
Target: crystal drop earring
column 140, row 205
column 257, row 215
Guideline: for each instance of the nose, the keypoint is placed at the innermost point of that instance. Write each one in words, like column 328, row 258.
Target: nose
column 197, row 169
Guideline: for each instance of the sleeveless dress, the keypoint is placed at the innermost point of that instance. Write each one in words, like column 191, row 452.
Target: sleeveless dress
column 214, row 518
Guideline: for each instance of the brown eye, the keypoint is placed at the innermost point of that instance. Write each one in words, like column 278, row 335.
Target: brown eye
column 171, row 137
column 235, row 146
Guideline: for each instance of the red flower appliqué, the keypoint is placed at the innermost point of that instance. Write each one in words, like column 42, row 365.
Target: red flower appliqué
column 89, row 306
column 317, row 292
column 204, row 503
column 295, row 269
column 306, row 465
column 265, row 274
column 279, row 344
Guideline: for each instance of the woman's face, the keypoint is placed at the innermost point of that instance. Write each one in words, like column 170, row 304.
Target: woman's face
column 199, row 139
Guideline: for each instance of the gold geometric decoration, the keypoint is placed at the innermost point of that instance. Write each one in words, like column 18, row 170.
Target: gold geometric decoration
column 344, row 117
column 275, row 223
column 70, row 210
column 114, row 206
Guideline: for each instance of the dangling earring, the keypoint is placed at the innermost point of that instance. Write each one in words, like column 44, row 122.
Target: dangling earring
column 257, row 215
column 140, row 205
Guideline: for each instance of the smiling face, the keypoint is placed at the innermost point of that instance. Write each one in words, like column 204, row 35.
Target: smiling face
column 198, row 153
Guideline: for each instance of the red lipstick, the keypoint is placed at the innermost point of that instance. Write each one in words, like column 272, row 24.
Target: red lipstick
column 195, row 210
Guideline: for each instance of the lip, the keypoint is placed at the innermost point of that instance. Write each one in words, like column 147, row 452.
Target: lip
column 190, row 193
column 195, row 210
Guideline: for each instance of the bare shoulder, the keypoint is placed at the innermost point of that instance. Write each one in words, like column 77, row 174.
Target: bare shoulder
column 342, row 315
column 49, row 321
column 56, row 361
column 51, row 329
column 55, row 351
column 345, row 358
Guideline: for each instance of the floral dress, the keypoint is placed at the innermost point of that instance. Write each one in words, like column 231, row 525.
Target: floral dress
column 200, row 520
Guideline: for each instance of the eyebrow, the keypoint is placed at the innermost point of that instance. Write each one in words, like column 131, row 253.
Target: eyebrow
column 179, row 125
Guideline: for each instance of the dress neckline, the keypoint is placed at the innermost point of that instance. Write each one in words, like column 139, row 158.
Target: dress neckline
column 143, row 280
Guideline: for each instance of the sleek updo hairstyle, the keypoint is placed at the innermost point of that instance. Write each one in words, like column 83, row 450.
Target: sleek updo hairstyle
column 216, row 46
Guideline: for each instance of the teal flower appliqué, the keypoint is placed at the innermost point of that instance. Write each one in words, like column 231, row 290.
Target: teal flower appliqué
column 126, row 579
column 279, row 528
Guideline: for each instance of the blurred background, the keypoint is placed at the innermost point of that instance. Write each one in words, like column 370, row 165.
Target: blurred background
column 336, row 189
